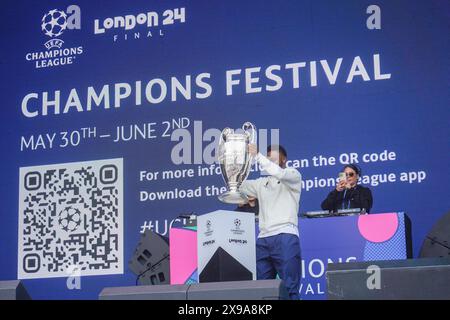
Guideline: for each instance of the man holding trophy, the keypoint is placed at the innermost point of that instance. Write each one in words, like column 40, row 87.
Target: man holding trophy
column 278, row 193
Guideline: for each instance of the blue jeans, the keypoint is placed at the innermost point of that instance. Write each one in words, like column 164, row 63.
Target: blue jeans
column 280, row 254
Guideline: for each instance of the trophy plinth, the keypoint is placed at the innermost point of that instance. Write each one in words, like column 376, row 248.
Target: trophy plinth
column 233, row 197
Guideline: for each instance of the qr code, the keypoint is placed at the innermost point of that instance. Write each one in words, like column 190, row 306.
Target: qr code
column 71, row 216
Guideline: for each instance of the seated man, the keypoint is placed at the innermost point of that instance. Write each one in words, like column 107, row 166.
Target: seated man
column 278, row 245
column 348, row 194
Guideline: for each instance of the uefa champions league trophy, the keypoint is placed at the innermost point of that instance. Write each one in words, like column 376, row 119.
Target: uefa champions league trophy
column 235, row 161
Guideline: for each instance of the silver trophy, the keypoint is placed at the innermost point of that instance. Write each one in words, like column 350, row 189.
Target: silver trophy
column 235, row 161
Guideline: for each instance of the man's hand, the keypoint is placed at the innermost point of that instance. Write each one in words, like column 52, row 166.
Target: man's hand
column 252, row 149
column 349, row 186
column 341, row 185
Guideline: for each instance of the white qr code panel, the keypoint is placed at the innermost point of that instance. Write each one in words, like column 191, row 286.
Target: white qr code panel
column 71, row 215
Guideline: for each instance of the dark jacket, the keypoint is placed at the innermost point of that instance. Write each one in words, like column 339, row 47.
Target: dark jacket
column 357, row 197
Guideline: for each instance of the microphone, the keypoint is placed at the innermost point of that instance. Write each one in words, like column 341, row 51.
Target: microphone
column 151, row 267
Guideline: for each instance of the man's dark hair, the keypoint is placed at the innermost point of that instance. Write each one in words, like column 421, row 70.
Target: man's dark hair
column 277, row 147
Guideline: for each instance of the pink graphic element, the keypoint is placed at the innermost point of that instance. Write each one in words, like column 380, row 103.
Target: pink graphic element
column 183, row 254
column 378, row 227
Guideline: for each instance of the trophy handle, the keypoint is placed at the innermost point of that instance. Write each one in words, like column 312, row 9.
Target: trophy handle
column 250, row 129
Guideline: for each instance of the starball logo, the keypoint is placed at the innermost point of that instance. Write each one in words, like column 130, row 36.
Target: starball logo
column 54, row 25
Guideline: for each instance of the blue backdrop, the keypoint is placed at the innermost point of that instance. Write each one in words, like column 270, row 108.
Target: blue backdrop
column 370, row 79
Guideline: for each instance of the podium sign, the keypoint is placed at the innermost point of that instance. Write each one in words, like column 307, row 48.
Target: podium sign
column 226, row 246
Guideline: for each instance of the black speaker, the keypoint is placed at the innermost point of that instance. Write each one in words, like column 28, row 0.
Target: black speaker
column 13, row 290
column 437, row 242
column 427, row 278
column 150, row 261
column 273, row 289
column 223, row 267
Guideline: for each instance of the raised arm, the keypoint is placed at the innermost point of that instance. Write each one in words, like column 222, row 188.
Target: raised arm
column 330, row 202
column 249, row 187
column 366, row 199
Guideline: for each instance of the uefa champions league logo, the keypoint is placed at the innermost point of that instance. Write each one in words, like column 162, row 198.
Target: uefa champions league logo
column 237, row 227
column 69, row 219
column 209, row 230
column 237, row 223
column 54, row 23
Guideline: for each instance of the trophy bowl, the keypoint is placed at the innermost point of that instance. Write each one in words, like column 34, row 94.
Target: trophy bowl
column 235, row 161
